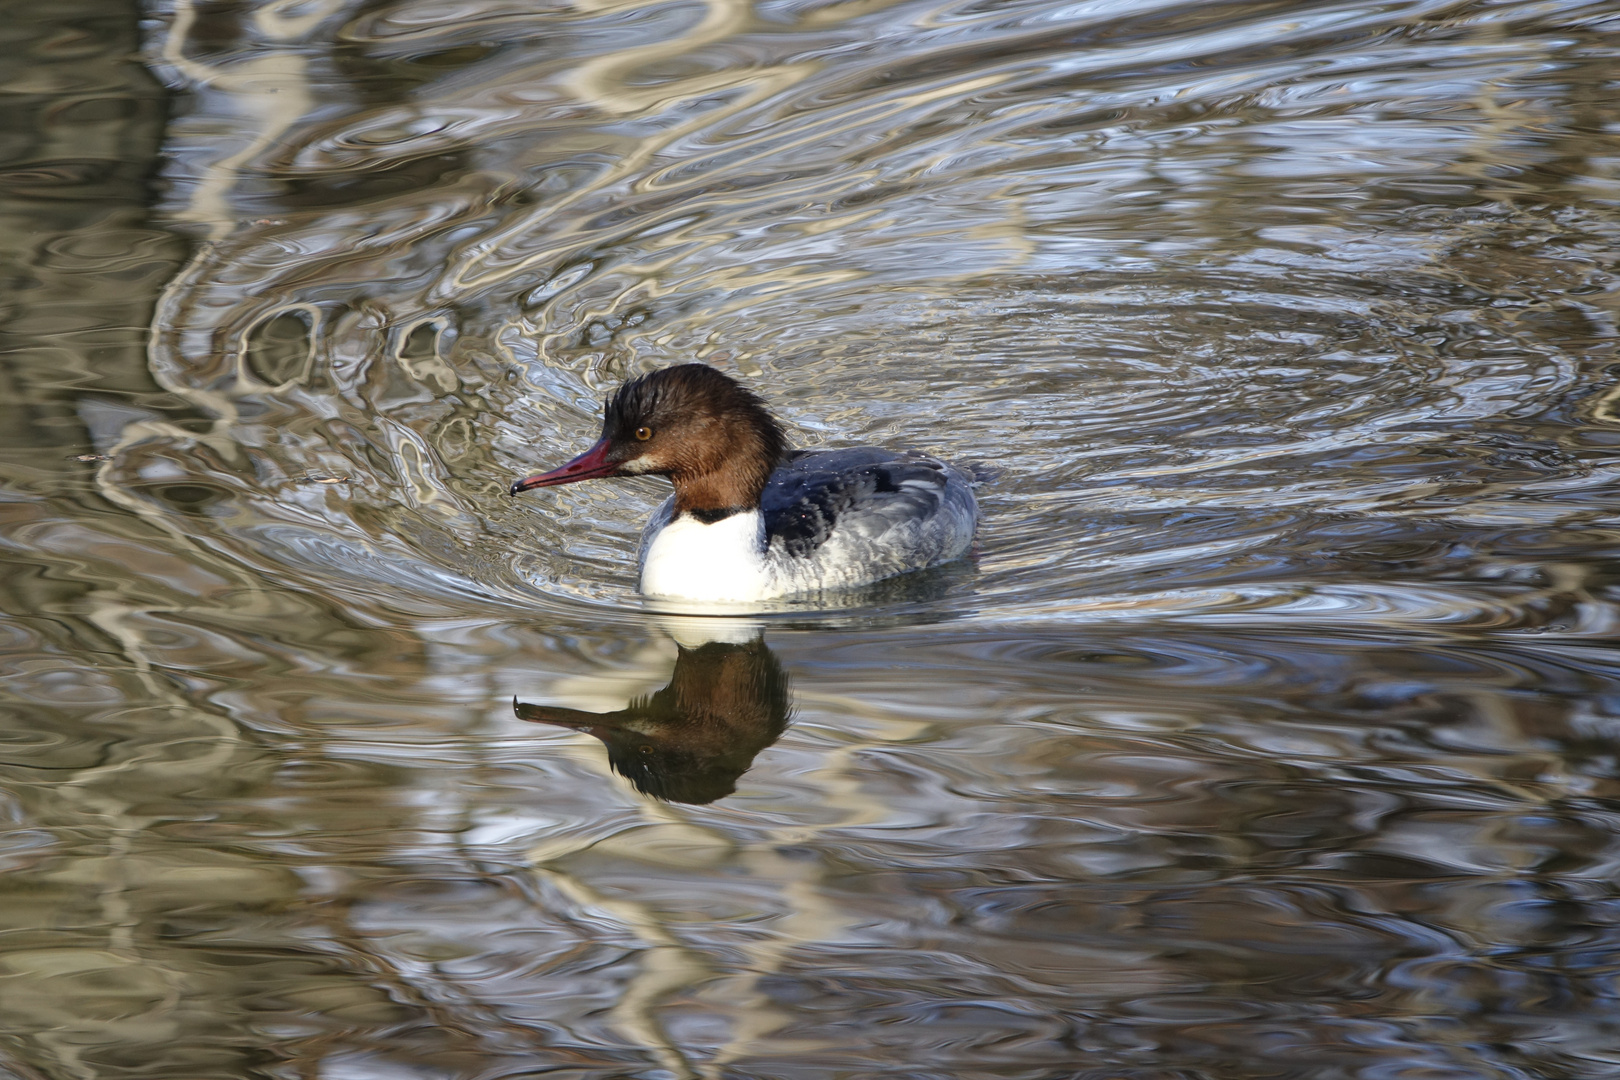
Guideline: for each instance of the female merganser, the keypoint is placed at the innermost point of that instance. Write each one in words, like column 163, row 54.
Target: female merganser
column 751, row 519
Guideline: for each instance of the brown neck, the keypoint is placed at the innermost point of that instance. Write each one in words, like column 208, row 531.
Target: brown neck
column 725, row 466
column 724, row 489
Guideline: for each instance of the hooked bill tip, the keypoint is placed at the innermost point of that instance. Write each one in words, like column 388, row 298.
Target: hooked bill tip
column 527, row 483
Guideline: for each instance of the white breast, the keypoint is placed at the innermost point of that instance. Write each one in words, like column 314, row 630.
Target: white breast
column 720, row 562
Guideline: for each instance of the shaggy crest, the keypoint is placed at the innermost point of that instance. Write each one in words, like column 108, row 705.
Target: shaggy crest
column 715, row 439
column 690, row 389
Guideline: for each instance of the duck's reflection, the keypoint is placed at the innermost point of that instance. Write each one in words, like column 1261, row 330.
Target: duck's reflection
column 690, row 741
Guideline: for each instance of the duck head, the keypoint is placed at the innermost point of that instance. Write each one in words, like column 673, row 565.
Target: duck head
column 713, row 439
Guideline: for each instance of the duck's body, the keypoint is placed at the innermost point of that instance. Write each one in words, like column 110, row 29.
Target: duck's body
column 751, row 520
column 831, row 519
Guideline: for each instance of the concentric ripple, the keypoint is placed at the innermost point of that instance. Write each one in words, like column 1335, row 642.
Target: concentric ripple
column 1256, row 312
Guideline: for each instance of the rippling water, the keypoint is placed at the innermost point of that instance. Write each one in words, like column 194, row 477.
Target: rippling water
column 1272, row 731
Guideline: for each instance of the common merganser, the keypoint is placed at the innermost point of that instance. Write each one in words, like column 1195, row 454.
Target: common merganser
column 753, row 520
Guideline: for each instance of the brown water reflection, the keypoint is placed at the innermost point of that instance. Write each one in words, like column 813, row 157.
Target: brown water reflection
column 1272, row 733
column 689, row 742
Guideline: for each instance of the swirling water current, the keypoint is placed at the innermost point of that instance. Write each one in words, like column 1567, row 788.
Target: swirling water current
column 1272, row 730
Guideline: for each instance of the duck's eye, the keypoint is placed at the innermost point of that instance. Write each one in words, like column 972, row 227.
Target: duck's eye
column 643, row 433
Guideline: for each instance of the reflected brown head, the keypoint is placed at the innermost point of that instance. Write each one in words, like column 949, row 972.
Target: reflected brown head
column 690, row 741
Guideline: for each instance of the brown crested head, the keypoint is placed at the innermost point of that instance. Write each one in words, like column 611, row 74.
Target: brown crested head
column 715, row 440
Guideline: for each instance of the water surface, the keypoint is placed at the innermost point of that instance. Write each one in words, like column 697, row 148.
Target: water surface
column 1271, row 731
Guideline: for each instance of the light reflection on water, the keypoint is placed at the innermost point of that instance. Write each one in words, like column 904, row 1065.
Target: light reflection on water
column 1219, row 290
column 1271, row 731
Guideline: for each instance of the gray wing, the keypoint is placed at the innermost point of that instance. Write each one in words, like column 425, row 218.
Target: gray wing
column 898, row 510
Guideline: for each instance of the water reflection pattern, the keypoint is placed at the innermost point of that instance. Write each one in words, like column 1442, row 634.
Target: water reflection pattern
column 1274, row 733
column 928, row 225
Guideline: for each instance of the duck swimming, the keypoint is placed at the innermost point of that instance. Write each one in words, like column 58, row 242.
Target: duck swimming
column 751, row 519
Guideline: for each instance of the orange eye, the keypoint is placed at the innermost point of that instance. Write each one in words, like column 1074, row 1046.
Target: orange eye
column 643, row 433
